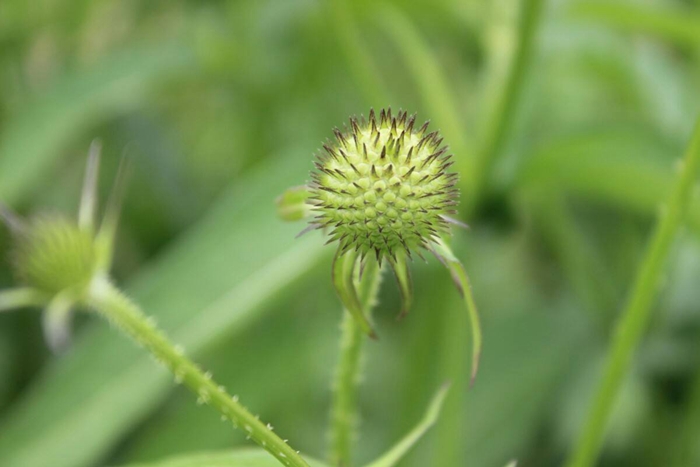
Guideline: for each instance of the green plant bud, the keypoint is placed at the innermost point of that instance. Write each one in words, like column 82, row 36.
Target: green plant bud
column 53, row 255
column 384, row 186
column 292, row 205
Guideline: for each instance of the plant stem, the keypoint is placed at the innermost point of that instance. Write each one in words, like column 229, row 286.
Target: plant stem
column 359, row 58
column 22, row 297
column 506, row 105
column 127, row 316
column 433, row 86
column 347, row 377
column 635, row 317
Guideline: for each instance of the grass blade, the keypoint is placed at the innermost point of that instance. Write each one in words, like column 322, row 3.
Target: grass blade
column 398, row 452
column 623, row 168
column 358, row 56
column 434, row 88
column 33, row 141
column 637, row 312
column 678, row 26
column 506, row 105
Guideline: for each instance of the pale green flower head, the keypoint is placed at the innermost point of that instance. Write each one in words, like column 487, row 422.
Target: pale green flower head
column 384, row 186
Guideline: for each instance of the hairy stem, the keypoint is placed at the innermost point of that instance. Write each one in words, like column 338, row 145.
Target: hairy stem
column 127, row 316
column 344, row 408
column 635, row 318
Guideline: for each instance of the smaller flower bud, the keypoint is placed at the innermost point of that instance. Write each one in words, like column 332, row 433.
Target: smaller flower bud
column 292, row 205
column 52, row 255
column 57, row 258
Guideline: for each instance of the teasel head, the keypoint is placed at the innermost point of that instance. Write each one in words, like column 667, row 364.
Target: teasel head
column 56, row 258
column 382, row 190
column 384, row 187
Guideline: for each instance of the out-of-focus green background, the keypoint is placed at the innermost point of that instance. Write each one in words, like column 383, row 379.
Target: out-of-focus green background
column 582, row 109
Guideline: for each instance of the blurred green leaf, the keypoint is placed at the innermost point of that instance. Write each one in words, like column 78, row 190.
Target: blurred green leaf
column 87, row 402
column 239, row 458
column 629, row 168
column 397, row 453
column 675, row 25
column 33, row 140
column 357, row 54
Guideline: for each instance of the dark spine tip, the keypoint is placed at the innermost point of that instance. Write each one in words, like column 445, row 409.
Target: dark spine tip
column 402, row 117
column 411, row 123
column 355, row 127
column 330, row 151
column 424, row 128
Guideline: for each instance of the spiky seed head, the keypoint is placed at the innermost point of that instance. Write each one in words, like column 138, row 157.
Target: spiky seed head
column 383, row 185
column 53, row 254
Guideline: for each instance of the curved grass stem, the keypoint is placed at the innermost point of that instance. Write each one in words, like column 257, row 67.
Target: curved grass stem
column 635, row 317
column 505, row 107
column 433, row 87
column 123, row 313
column 347, row 377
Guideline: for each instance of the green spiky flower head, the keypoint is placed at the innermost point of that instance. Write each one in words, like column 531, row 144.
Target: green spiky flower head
column 384, row 186
column 53, row 255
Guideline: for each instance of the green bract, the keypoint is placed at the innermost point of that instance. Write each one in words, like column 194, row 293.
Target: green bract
column 384, row 186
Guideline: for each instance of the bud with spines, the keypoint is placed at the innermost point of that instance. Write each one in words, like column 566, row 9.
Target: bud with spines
column 57, row 258
column 384, row 186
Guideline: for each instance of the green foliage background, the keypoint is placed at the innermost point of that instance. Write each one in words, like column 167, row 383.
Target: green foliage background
column 566, row 124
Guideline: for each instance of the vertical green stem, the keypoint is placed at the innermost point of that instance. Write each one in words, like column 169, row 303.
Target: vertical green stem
column 347, row 377
column 637, row 312
column 357, row 53
column 124, row 314
column 433, row 86
column 506, row 105
column 452, row 363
